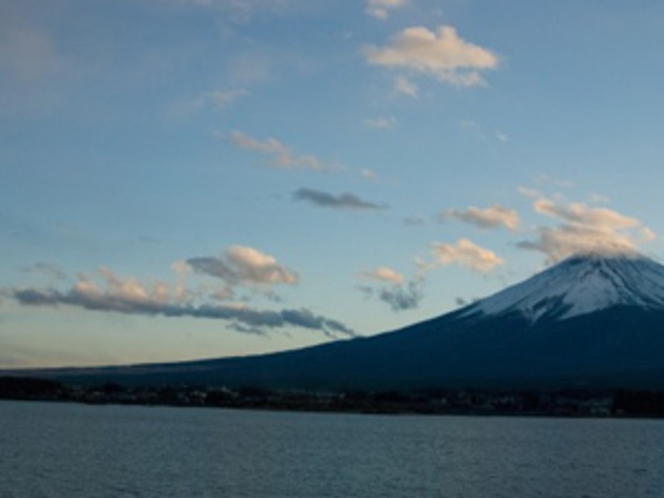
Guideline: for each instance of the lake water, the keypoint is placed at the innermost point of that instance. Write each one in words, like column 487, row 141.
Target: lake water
column 71, row 450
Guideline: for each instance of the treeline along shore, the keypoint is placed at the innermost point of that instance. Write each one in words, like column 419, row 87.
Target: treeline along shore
column 571, row 403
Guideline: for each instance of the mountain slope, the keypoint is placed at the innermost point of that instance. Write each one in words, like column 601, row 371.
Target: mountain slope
column 590, row 321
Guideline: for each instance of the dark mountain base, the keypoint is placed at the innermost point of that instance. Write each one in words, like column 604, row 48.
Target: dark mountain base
column 621, row 347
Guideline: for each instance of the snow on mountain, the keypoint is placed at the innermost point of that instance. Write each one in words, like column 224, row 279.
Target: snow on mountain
column 579, row 285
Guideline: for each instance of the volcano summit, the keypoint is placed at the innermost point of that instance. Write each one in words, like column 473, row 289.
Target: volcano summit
column 591, row 321
column 580, row 285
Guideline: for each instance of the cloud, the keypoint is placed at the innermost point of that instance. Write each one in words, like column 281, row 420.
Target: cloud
column 468, row 124
column 380, row 9
column 580, row 214
column 471, row 126
column 584, row 229
column 342, row 201
column 221, row 99
column 402, row 298
column 369, row 174
column 240, row 265
column 502, row 137
column 465, row 253
column 122, row 295
column 406, row 86
column 381, row 123
column 217, row 99
column 596, row 198
column 134, row 300
column 529, row 192
column 398, row 297
column 383, row 274
column 491, row 217
column 283, row 156
column 442, row 55
column 128, row 295
column 392, row 288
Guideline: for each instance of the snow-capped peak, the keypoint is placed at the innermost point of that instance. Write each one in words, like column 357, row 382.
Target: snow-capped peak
column 579, row 285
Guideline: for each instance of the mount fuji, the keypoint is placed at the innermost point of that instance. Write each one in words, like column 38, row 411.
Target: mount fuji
column 581, row 285
column 591, row 321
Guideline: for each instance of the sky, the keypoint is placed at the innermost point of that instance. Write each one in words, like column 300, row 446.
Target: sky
column 184, row 179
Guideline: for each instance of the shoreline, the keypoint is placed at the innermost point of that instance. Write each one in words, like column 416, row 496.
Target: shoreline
column 616, row 403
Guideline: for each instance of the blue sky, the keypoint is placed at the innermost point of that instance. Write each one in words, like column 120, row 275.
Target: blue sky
column 201, row 178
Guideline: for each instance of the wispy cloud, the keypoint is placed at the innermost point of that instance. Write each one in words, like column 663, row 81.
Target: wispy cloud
column 406, row 86
column 383, row 274
column 380, row 9
column 490, row 217
column 482, row 132
column 283, row 156
column 369, row 174
column 342, row 201
column 392, row 288
column 501, row 137
column 401, row 298
column 223, row 98
column 441, row 54
column 219, row 100
column 529, row 192
column 583, row 228
column 381, row 123
column 465, row 253
column 398, row 297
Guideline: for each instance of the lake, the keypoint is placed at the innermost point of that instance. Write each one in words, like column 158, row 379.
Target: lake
column 73, row 450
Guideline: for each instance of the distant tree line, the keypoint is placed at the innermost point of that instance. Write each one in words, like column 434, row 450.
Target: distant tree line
column 572, row 403
column 25, row 388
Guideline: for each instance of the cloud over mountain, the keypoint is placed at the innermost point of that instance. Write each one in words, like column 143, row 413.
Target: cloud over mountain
column 582, row 229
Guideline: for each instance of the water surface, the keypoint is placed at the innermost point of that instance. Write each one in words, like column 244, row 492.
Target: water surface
column 73, row 450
